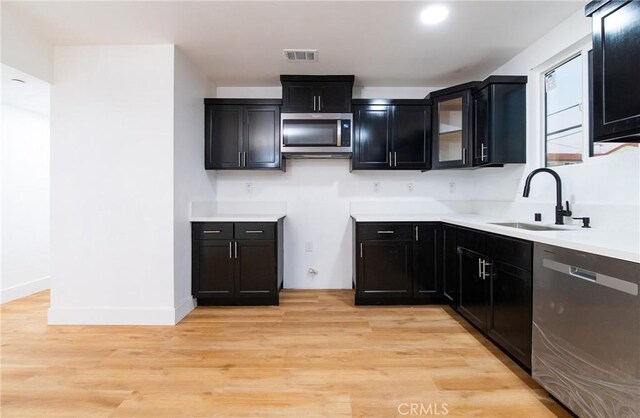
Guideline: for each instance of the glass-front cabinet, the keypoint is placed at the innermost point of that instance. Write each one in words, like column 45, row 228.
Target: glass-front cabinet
column 451, row 130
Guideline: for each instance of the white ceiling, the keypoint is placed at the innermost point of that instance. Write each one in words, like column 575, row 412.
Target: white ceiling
column 239, row 43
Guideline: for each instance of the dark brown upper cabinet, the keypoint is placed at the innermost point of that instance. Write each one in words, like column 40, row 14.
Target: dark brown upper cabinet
column 452, row 118
column 394, row 135
column 616, row 65
column 480, row 124
column 309, row 94
column 242, row 134
column 499, row 122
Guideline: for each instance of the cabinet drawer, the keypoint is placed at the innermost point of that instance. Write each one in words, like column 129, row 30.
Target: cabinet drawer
column 255, row 230
column 212, row 230
column 512, row 251
column 386, row 231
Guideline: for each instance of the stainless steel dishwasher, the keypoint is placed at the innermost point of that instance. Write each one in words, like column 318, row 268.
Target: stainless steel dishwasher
column 586, row 331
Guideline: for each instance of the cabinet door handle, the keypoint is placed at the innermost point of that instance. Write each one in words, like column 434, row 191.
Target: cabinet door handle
column 482, row 150
column 314, row 103
column 212, row 232
column 239, row 159
column 360, row 250
column 235, row 248
column 319, row 104
column 386, row 232
column 257, row 231
column 230, row 254
column 479, row 267
column 395, row 159
column 244, row 159
column 390, row 160
column 416, row 233
column 464, row 156
column 484, row 269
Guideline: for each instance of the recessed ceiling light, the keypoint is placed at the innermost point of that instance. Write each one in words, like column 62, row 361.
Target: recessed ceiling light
column 17, row 80
column 434, row 14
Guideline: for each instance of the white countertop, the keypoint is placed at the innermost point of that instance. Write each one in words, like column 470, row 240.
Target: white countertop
column 624, row 245
column 229, row 217
column 237, row 211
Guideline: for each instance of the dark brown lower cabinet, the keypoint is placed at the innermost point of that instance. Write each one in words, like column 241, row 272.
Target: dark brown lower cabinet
column 450, row 281
column 427, row 278
column 496, row 289
column 385, row 269
column 256, row 268
column 237, row 263
column 397, row 263
column 511, row 319
column 213, row 269
column 474, row 290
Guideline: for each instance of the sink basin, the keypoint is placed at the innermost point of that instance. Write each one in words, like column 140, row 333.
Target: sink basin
column 528, row 227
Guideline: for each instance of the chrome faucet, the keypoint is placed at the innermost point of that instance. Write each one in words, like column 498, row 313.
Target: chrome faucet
column 560, row 211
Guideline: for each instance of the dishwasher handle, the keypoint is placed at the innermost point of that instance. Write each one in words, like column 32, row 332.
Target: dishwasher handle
column 583, row 274
column 592, row 277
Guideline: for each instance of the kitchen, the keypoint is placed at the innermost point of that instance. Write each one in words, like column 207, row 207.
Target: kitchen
column 133, row 237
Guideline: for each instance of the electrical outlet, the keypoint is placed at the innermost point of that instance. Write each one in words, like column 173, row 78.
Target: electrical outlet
column 248, row 187
column 452, row 187
column 410, row 187
column 308, row 246
column 376, row 187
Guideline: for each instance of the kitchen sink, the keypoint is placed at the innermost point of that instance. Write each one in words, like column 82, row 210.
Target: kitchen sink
column 528, row 227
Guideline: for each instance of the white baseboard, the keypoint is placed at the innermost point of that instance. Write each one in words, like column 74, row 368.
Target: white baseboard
column 183, row 309
column 111, row 316
column 24, row 289
column 120, row 316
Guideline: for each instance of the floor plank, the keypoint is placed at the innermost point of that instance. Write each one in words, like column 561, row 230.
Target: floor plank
column 316, row 355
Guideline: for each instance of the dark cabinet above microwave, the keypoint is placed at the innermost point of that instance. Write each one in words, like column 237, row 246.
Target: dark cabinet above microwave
column 321, row 94
column 616, row 65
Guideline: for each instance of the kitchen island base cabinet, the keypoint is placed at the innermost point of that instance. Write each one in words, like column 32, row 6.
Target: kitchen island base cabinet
column 237, row 263
column 397, row 263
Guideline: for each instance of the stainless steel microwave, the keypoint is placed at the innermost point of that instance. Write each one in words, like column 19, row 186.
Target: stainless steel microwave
column 316, row 135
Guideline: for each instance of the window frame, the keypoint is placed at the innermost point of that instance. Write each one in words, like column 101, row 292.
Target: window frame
column 581, row 51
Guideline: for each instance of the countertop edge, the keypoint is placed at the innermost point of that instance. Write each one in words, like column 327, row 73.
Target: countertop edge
column 238, row 218
column 533, row 236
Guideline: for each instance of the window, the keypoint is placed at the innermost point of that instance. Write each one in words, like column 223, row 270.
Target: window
column 566, row 114
column 564, row 135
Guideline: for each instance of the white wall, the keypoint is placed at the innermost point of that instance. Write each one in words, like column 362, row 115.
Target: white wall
column 24, row 162
column 318, row 194
column 190, row 182
column 604, row 187
column 112, row 202
column 23, row 47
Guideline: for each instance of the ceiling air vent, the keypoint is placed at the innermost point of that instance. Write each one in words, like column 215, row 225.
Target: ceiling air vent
column 301, row 55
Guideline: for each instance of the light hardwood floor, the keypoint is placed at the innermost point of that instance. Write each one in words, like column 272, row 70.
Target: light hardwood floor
column 314, row 355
